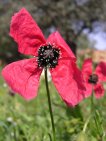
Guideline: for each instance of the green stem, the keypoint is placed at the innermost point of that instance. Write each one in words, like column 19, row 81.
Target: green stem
column 49, row 103
column 86, row 124
column 92, row 102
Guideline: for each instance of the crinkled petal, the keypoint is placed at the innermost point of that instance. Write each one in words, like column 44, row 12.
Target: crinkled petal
column 99, row 91
column 26, row 32
column 88, row 91
column 87, row 67
column 23, row 77
column 86, row 71
column 101, row 71
column 68, row 81
column 56, row 39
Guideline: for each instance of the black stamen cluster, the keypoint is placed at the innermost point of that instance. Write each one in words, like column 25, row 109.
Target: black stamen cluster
column 48, row 56
column 93, row 78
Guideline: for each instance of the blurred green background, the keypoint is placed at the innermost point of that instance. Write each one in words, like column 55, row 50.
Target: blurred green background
column 29, row 121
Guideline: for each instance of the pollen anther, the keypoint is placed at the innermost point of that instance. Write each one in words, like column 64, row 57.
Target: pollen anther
column 48, row 56
column 93, row 78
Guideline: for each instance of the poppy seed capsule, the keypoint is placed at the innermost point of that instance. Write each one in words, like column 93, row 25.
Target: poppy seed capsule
column 93, row 78
column 48, row 56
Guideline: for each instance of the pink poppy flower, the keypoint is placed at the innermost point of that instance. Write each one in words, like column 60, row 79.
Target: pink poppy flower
column 23, row 76
column 94, row 79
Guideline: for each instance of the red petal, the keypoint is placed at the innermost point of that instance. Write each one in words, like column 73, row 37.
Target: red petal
column 55, row 38
column 26, row 32
column 87, row 67
column 86, row 71
column 23, row 77
column 99, row 91
column 101, row 71
column 68, row 81
column 88, row 87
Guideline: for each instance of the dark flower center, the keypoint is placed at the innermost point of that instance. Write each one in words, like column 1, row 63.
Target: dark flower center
column 48, row 56
column 93, row 78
